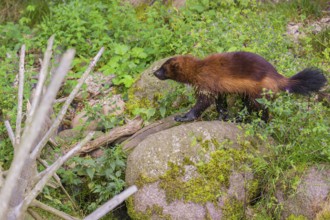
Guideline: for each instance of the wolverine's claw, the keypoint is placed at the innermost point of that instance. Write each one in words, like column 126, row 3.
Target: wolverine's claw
column 183, row 118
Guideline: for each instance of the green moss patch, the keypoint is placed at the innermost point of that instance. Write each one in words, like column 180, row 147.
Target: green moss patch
column 211, row 179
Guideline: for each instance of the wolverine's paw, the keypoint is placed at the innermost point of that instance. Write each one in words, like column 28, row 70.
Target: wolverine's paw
column 223, row 117
column 184, row 118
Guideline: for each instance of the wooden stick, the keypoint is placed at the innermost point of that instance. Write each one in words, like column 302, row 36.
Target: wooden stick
column 10, row 133
column 31, row 131
column 52, row 210
column 42, row 78
column 34, row 214
column 112, row 203
column 118, row 132
column 61, row 100
column 20, row 96
column 65, row 107
column 1, row 176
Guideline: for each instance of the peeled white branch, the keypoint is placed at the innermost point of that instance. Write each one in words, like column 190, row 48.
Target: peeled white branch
column 1, row 176
column 49, row 209
column 42, row 78
column 34, row 215
column 30, row 133
column 111, row 204
column 65, row 107
column 10, row 133
column 20, row 96
column 49, row 172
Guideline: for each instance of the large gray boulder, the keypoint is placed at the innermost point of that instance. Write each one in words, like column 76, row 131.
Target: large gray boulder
column 193, row 171
column 310, row 196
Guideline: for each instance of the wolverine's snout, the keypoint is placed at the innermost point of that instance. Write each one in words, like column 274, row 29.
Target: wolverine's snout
column 160, row 74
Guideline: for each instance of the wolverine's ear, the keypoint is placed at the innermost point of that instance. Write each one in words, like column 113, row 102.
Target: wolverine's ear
column 170, row 61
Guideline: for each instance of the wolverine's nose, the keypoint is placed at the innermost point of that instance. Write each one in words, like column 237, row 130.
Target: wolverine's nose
column 160, row 74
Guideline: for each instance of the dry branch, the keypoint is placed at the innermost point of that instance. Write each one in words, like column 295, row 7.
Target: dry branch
column 61, row 100
column 31, row 131
column 34, row 215
column 65, row 107
column 130, row 128
column 111, row 204
column 42, row 78
column 10, row 133
column 155, row 127
column 20, row 96
column 49, row 209
column 1, row 176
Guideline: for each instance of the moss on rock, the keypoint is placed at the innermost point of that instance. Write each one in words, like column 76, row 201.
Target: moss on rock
column 201, row 170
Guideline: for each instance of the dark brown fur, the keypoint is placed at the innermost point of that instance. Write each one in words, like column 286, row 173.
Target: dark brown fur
column 236, row 72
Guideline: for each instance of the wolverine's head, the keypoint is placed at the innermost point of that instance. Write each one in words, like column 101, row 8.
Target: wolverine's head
column 180, row 68
column 169, row 70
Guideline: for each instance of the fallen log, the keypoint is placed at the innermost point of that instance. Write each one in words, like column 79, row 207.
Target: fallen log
column 142, row 134
column 128, row 129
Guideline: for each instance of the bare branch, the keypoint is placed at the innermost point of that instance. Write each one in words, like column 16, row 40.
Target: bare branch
column 65, row 107
column 20, row 96
column 34, row 215
column 1, row 176
column 10, row 133
column 61, row 100
column 111, row 204
column 49, row 209
column 49, row 172
column 42, row 78
column 31, row 131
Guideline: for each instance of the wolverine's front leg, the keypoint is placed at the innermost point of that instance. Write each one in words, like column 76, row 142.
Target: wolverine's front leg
column 203, row 102
column 221, row 105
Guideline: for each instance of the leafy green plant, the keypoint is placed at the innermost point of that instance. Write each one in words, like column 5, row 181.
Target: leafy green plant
column 299, row 129
column 103, row 175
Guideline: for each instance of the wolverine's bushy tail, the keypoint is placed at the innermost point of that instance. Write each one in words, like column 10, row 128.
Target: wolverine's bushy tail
column 307, row 81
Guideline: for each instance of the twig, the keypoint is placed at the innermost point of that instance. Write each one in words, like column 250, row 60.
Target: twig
column 20, row 96
column 49, row 172
column 49, row 209
column 58, row 180
column 10, row 133
column 42, row 78
column 31, row 131
column 65, row 107
column 1, row 176
column 61, row 100
column 34, row 215
column 53, row 142
column 128, row 129
column 111, row 204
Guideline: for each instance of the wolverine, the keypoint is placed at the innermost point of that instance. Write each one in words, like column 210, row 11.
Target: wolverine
column 243, row 73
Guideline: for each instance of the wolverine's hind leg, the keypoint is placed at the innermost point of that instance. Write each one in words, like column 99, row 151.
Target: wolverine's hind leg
column 246, row 101
column 203, row 102
column 255, row 105
column 221, row 105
